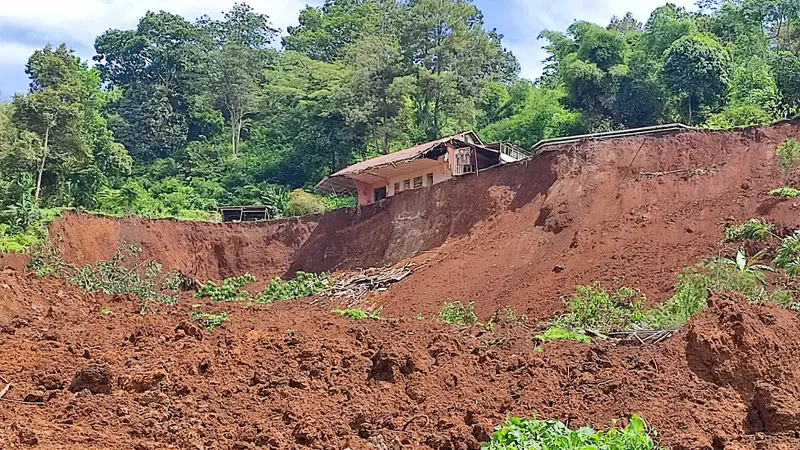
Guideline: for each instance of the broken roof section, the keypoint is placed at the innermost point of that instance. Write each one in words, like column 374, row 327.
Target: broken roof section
column 341, row 181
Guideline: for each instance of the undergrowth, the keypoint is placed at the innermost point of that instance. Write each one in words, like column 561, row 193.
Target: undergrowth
column 788, row 255
column 594, row 308
column 24, row 226
column 207, row 320
column 113, row 277
column 303, row 285
column 753, row 229
column 786, row 192
column 788, row 154
column 229, row 291
column 562, row 334
column 538, row 434
column 358, row 313
column 458, row 313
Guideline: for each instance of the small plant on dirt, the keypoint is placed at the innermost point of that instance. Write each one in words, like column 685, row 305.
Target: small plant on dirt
column 106, row 311
column 303, row 285
column 358, row 314
column 786, row 192
column 747, row 266
column 594, row 308
column 458, row 313
column 535, row 433
column 229, row 291
column 691, row 296
column 209, row 321
column 45, row 260
column 788, row 154
column 173, row 281
column 562, row 334
column 788, row 255
column 509, row 316
column 753, row 229
column 420, row 316
column 113, row 277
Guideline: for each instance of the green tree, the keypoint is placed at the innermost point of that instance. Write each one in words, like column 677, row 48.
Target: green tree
column 697, row 68
column 54, row 109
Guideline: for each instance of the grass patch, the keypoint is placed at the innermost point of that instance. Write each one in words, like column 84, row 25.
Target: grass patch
column 209, row 321
column 786, row 192
column 458, row 313
column 510, row 316
column 691, row 296
column 24, row 226
column 106, row 311
column 753, row 229
column 562, row 334
column 594, row 308
column 358, row 314
column 229, row 291
column 541, row 434
column 788, row 155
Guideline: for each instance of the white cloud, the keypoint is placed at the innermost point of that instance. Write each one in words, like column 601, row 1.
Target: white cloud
column 528, row 17
column 79, row 22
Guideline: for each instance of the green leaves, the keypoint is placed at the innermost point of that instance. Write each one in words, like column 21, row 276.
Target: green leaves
column 458, row 313
column 537, row 434
column 752, row 229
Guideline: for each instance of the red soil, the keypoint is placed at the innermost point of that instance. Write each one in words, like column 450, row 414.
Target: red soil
column 293, row 376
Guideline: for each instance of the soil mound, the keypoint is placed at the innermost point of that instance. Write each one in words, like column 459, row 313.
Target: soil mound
column 292, row 376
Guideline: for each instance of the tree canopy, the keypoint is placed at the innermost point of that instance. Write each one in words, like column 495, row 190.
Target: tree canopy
column 180, row 115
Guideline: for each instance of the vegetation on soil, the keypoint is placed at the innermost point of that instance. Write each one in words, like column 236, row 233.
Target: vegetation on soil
column 114, row 277
column 175, row 117
column 556, row 333
column 303, row 285
column 786, row 192
column 209, row 321
column 754, row 229
column 536, row 433
column 788, row 255
column 358, row 313
column 788, row 154
column 594, row 308
column 229, row 291
column 458, row 313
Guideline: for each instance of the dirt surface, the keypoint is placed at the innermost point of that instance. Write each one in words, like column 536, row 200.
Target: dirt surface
column 96, row 373
column 290, row 376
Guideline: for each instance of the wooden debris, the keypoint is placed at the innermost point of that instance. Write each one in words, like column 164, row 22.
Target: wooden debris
column 5, row 390
column 643, row 337
column 352, row 287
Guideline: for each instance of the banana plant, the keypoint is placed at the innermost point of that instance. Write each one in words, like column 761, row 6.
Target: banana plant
column 751, row 266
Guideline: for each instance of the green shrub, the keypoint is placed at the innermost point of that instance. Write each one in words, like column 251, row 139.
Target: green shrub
column 113, row 277
column 788, row 154
column 303, row 203
column 788, row 255
column 752, row 229
column 562, row 334
column 209, row 321
column 24, row 226
column 458, row 313
column 229, row 291
column 304, row 285
column 597, row 309
column 333, row 201
column 358, row 314
column 786, row 192
column 691, row 296
column 537, row 434
column 510, row 316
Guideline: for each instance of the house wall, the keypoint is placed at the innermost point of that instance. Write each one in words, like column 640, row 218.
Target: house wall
column 441, row 172
column 366, row 191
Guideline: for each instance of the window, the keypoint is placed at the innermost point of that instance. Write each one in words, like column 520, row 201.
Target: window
column 397, row 187
column 379, row 194
column 417, row 182
column 430, row 179
column 406, row 185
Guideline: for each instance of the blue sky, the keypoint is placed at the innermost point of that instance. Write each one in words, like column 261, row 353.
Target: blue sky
column 28, row 25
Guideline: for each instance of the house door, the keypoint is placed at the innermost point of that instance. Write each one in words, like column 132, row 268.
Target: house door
column 379, row 194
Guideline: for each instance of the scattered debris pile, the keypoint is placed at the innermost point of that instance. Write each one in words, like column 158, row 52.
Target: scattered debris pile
column 351, row 287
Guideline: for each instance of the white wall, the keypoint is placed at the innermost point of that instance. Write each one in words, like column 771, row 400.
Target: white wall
column 441, row 172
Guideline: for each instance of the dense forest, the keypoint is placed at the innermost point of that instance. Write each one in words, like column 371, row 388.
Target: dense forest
column 178, row 116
